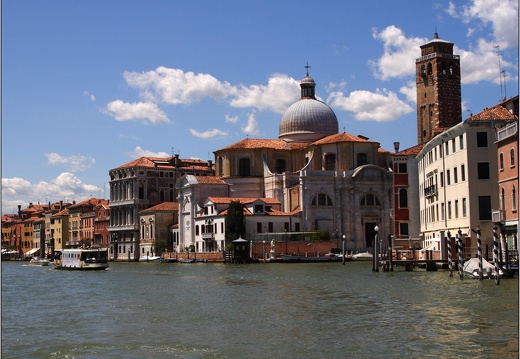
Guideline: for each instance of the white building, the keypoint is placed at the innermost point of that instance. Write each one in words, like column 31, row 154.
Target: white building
column 457, row 181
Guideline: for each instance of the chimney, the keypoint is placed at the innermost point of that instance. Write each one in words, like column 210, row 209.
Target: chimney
column 210, row 164
column 61, row 204
column 177, row 161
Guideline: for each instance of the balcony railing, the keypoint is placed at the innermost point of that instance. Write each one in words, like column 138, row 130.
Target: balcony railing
column 208, row 236
column 507, row 131
column 430, row 191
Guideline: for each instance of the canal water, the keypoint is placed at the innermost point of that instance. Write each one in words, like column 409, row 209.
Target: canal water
column 313, row 310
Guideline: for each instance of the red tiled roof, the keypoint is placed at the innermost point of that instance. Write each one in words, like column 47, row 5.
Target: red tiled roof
column 341, row 137
column 64, row 212
column 91, row 201
column 410, row 151
column 493, row 113
column 209, row 180
column 252, row 143
column 160, row 162
column 163, row 207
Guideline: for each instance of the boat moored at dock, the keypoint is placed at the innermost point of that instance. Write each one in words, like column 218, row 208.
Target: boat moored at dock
column 82, row 259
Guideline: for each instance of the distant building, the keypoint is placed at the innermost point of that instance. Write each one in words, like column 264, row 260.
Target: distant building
column 81, row 221
column 155, row 223
column 138, row 185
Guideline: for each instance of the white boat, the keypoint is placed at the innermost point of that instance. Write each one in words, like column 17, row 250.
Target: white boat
column 330, row 257
column 37, row 261
column 149, row 259
column 470, row 269
column 365, row 256
column 82, row 259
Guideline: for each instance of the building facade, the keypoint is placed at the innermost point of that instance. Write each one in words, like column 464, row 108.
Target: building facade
column 138, row 185
column 155, row 223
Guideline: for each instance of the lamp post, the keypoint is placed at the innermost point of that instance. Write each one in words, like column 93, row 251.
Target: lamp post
column 343, row 247
column 264, row 249
column 286, row 239
column 376, row 255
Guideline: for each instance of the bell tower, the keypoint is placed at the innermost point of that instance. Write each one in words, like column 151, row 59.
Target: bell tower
column 438, row 89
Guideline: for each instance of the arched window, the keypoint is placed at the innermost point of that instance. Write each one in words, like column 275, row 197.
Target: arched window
column 514, row 198
column 330, row 162
column 280, row 165
column 501, row 161
column 244, row 167
column 430, row 71
column 503, row 199
column 443, row 68
column 403, row 198
column 321, row 199
column 370, row 200
column 512, row 152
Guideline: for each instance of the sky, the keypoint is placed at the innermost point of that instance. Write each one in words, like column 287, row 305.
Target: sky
column 88, row 86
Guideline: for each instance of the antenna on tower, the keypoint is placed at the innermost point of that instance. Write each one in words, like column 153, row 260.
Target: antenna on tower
column 499, row 71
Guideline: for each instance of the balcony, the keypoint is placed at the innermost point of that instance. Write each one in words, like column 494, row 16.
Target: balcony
column 208, row 236
column 430, row 191
column 506, row 132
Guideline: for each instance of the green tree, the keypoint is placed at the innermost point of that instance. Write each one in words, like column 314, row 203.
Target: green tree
column 235, row 222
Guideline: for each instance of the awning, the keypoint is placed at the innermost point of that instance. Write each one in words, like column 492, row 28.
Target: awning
column 31, row 252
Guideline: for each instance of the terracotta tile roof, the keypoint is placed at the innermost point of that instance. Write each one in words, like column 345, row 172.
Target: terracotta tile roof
column 252, row 143
column 163, row 207
column 493, row 113
column 209, row 180
column 165, row 162
column 341, row 137
column 64, row 212
column 410, row 151
column 92, row 201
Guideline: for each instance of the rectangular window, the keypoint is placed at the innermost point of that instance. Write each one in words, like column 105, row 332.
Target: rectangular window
column 484, row 208
column 449, row 209
column 463, row 172
column 403, row 229
column 455, row 175
column 447, row 149
column 330, row 162
column 448, row 179
column 461, row 142
column 456, row 208
column 270, row 226
column 453, row 147
column 258, row 227
column 483, row 170
column 482, row 140
column 442, row 179
column 464, row 213
column 403, row 168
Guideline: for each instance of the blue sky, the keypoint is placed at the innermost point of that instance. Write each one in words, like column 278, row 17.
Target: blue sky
column 90, row 85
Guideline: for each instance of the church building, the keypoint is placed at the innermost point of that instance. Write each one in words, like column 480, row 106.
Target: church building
column 333, row 181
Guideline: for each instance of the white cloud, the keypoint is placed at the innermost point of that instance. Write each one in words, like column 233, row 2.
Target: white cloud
column 174, row 86
column 210, row 134
column 281, row 92
column 77, row 163
column 381, row 106
column 251, row 128
column 65, row 187
column 410, row 91
column 144, row 111
column 399, row 55
column 89, row 95
column 230, row 119
column 138, row 152
column 501, row 14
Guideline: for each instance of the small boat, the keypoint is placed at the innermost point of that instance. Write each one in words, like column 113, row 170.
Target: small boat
column 470, row 269
column 186, row 260
column 149, row 259
column 37, row 261
column 365, row 256
column 82, row 259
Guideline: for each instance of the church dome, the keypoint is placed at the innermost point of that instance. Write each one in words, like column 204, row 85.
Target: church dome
column 308, row 119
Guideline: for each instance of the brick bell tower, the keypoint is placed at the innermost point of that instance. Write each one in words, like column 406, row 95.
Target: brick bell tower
column 438, row 89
